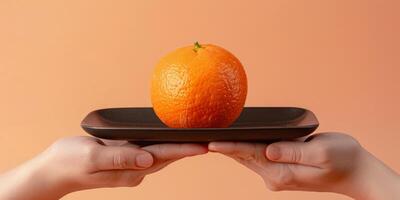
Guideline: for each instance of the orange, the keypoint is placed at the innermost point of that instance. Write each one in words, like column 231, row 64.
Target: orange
column 200, row 86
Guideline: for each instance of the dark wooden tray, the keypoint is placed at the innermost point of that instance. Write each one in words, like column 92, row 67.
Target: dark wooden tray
column 255, row 124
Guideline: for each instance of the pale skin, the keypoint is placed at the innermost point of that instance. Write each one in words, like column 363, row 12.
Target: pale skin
column 326, row 162
column 79, row 163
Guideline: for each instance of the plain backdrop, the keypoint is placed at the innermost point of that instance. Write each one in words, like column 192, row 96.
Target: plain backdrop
column 61, row 59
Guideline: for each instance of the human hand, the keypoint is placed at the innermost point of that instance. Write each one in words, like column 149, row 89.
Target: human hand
column 326, row 162
column 78, row 163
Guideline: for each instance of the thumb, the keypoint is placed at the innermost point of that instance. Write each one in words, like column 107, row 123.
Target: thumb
column 289, row 152
column 122, row 157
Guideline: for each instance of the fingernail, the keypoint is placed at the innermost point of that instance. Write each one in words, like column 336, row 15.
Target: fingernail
column 273, row 152
column 144, row 160
column 212, row 147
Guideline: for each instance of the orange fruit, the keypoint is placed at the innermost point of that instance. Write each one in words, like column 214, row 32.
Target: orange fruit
column 200, row 86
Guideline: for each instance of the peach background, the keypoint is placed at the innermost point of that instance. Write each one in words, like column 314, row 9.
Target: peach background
column 62, row 59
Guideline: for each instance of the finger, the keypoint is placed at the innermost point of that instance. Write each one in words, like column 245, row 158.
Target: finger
column 114, row 142
column 292, row 152
column 232, row 148
column 121, row 157
column 125, row 178
column 241, row 150
column 117, row 178
column 175, row 151
column 158, row 166
column 277, row 176
column 286, row 176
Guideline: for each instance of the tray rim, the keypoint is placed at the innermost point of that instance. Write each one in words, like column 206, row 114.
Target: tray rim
column 87, row 126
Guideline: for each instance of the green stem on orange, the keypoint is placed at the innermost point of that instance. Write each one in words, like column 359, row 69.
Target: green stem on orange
column 197, row 46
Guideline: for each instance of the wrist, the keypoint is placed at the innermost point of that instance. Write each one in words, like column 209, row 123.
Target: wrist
column 49, row 177
column 372, row 179
column 32, row 180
